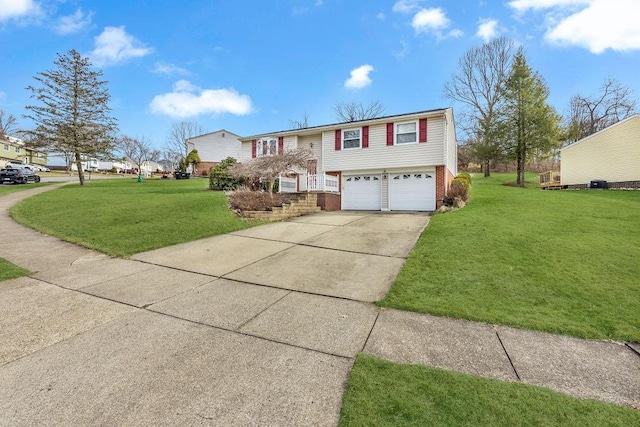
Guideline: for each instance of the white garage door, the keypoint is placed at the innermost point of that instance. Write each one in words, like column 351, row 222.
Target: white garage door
column 362, row 192
column 415, row 191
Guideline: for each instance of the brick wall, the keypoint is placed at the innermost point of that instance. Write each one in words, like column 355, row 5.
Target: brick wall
column 203, row 168
column 329, row 201
column 441, row 185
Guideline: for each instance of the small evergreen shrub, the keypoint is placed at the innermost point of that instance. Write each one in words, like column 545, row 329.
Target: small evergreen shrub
column 220, row 178
column 465, row 178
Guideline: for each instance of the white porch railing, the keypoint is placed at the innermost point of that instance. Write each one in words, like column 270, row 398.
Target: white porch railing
column 319, row 182
column 288, row 184
column 322, row 182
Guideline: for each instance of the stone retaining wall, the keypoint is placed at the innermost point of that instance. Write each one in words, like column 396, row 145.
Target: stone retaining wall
column 305, row 205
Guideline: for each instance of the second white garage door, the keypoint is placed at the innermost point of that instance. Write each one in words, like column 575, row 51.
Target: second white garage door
column 362, row 192
column 414, row 191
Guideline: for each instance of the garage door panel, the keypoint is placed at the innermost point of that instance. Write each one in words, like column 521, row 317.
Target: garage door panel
column 415, row 191
column 362, row 192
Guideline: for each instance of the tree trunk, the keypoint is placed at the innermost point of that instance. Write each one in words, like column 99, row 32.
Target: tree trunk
column 486, row 170
column 80, row 168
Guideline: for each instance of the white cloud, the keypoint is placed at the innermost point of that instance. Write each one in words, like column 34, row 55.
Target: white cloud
column 487, row 30
column 188, row 100
column 403, row 51
column 596, row 25
column 406, row 6
column 524, row 5
column 169, row 69
column 359, row 77
column 433, row 20
column 14, row 9
column 73, row 23
column 381, row 16
column 114, row 46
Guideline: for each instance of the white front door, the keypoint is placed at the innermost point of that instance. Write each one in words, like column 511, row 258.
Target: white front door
column 362, row 192
column 412, row 191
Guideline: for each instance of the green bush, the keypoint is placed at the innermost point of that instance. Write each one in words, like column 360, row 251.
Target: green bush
column 458, row 192
column 463, row 177
column 221, row 179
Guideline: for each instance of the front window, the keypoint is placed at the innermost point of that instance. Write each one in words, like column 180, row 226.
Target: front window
column 267, row 147
column 406, row 133
column 6, row 147
column 351, row 138
column 18, row 150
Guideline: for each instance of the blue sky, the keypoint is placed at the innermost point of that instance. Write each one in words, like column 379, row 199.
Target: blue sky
column 252, row 66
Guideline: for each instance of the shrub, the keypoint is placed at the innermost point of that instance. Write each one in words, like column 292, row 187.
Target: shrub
column 245, row 200
column 221, row 178
column 458, row 194
column 465, row 176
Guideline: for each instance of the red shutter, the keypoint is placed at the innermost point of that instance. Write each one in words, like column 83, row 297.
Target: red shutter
column 365, row 136
column 389, row 133
column 423, row 130
column 338, row 139
column 280, row 144
column 253, row 148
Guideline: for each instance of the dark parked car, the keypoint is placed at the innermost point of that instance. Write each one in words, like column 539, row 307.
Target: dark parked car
column 181, row 175
column 18, row 176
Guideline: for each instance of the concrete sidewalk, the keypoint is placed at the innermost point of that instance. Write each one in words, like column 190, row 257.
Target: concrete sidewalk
column 252, row 328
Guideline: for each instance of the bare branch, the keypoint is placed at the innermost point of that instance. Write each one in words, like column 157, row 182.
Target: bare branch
column 176, row 143
column 8, row 124
column 354, row 111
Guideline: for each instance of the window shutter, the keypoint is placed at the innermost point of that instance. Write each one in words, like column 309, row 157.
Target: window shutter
column 365, row 136
column 253, row 148
column 423, row 130
column 389, row 133
column 280, row 144
column 338, row 139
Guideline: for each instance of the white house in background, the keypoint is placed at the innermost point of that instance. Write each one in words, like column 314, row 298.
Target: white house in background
column 395, row 163
column 213, row 148
column 612, row 155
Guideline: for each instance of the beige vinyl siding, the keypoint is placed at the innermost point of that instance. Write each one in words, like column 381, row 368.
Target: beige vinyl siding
column 611, row 155
column 213, row 147
column 381, row 156
column 246, row 151
column 290, row 142
column 451, row 144
column 313, row 143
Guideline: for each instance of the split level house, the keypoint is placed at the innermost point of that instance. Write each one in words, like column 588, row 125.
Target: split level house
column 403, row 162
column 15, row 149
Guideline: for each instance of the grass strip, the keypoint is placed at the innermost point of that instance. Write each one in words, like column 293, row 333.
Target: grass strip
column 382, row 393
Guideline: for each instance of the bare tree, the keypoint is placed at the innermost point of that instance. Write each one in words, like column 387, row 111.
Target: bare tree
column 270, row 167
column 8, row 124
column 73, row 115
column 478, row 84
column 176, row 143
column 300, row 124
column 354, row 111
column 611, row 104
column 138, row 150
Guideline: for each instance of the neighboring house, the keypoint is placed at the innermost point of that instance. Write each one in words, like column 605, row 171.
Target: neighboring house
column 15, row 149
column 611, row 155
column 395, row 163
column 213, row 148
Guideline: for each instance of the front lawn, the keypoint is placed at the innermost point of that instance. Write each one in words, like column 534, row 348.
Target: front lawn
column 11, row 188
column 557, row 261
column 9, row 271
column 122, row 217
column 381, row 393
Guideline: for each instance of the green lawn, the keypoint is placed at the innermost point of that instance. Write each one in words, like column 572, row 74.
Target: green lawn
column 122, row 217
column 381, row 393
column 557, row 261
column 9, row 271
column 6, row 188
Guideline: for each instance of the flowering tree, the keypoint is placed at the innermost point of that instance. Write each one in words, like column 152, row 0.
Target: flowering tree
column 270, row 167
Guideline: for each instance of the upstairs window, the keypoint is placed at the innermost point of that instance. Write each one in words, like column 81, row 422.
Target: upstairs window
column 18, row 150
column 6, row 147
column 266, row 147
column 406, row 133
column 351, row 139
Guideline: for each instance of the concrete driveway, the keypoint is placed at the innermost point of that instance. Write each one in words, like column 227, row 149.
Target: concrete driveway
column 258, row 327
